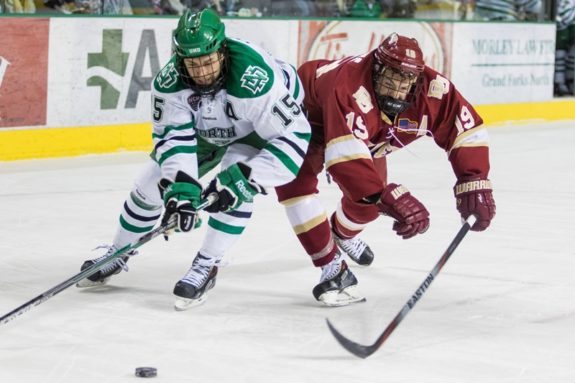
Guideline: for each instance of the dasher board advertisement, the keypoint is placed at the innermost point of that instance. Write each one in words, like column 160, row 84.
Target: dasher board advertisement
column 504, row 63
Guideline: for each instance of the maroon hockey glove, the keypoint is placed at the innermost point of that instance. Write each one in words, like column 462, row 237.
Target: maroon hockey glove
column 411, row 217
column 474, row 196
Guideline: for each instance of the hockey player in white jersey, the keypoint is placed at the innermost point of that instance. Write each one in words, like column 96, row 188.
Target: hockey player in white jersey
column 218, row 101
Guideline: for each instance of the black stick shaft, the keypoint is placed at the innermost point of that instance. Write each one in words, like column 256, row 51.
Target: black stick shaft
column 363, row 351
column 171, row 224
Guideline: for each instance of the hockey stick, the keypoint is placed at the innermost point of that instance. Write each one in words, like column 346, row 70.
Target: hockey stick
column 163, row 228
column 362, row 351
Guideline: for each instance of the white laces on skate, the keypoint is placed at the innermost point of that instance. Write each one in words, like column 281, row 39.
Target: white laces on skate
column 198, row 273
column 117, row 263
column 333, row 268
column 354, row 247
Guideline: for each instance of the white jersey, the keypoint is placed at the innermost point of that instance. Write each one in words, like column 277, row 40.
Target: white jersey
column 258, row 106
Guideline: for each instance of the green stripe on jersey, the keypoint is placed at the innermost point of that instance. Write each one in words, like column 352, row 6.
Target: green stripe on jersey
column 171, row 128
column 224, row 227
column 177, row 150
column 303, row 136
column 254, row 140
column 284, row 158
column 296, row 90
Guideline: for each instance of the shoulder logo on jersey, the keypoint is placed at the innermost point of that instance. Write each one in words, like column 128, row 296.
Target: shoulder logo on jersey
column 168, row 76
column 438, row 87
column 194, row 101
column 254, row 79
column 363, row 99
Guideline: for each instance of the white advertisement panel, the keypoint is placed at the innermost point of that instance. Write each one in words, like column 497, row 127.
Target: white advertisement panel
column 503, row 63
column 279, row 37
column 100, row 69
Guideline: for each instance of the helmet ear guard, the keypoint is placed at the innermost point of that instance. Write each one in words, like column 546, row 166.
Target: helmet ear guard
column 397, row 73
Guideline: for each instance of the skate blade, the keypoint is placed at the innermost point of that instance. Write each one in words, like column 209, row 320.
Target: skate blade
column 85, row 283
column 361, row 263
column 344, row 297
column 182, row 304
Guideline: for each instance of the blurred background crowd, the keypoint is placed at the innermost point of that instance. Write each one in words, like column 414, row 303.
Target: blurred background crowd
column 508, row 10
column 560, row 11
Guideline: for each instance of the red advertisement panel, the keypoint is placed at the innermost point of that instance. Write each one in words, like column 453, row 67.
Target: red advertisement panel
column 23, row 71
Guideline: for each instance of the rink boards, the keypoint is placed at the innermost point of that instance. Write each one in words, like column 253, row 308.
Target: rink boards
column 82, row 85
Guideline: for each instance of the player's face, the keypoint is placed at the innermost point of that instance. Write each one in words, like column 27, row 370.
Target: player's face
column 205, row 70
column 394, row 84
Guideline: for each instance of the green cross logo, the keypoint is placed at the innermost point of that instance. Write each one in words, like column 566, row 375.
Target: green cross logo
column 113, row 59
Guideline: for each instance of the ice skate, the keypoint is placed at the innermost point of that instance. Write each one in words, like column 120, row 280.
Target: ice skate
column 356, row 249
column 338, row 285
column 192, row 288
column 102, row 276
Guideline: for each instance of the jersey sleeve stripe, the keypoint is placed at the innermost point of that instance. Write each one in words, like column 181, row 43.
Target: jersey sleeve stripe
column 297, row 88
column 170, row 128
column 304, row 136
column 179, row 138
column 345, row 148
column 284, row 158
column 474, row 137
column 294, row 146
column 341, row 159
column 177, row 150
column 346, row 138
column 286, row 78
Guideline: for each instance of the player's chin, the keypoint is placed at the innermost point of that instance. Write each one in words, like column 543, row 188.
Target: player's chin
column 205, row 81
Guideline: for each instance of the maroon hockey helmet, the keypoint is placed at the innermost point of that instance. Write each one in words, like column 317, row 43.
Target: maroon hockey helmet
column 397, row 73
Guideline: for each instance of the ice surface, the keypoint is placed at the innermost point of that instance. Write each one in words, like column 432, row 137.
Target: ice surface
column 502, row 309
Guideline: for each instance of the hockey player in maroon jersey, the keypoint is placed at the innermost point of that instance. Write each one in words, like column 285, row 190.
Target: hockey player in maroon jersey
column 361, row 109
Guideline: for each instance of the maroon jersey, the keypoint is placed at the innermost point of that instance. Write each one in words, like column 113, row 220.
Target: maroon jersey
column 345, row 118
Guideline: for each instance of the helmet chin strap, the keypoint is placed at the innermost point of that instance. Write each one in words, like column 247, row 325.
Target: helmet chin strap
column 208, row 90
column 392, row 106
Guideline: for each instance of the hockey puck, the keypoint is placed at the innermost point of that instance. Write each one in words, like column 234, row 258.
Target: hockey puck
column 146, row 372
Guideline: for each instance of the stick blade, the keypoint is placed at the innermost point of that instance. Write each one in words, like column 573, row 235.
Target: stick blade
column 356, row 349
